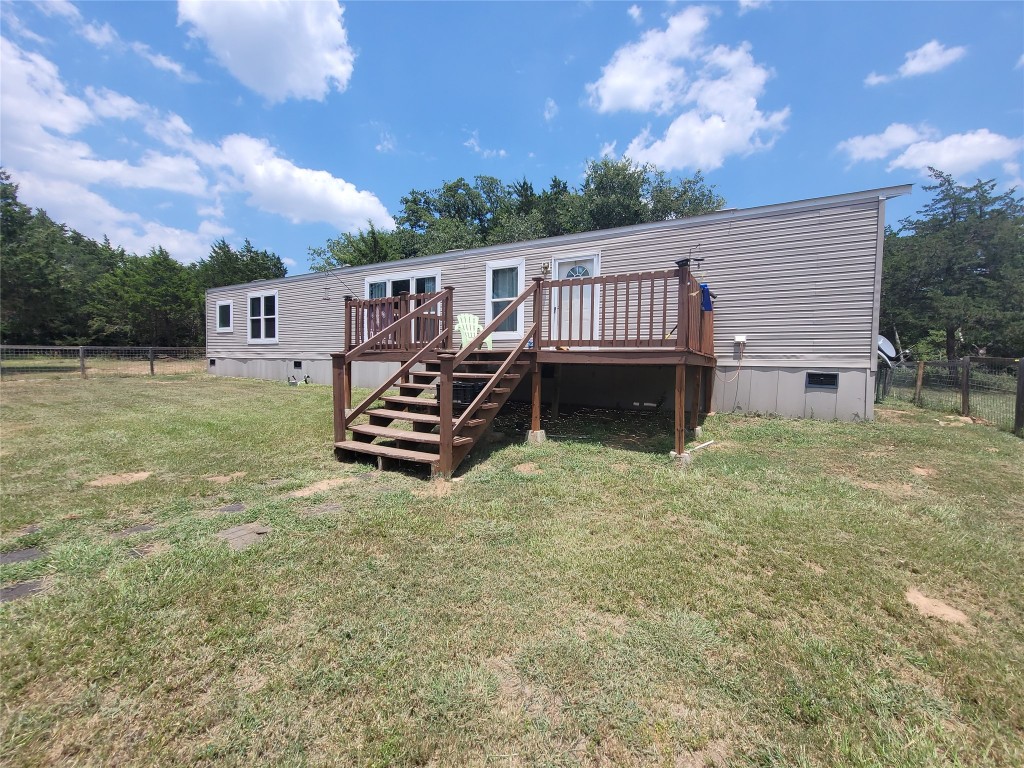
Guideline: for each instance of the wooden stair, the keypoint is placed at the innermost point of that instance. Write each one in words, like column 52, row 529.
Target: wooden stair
column 407, row 428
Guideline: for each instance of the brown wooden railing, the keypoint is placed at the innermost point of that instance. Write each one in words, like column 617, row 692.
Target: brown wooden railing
column 658, row 309
column 641, row 309
column 378, row 319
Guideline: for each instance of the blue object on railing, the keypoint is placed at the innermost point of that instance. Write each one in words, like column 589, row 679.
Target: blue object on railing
column 705, row 298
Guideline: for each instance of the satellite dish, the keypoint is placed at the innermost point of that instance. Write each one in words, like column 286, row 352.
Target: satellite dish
column 886, row 348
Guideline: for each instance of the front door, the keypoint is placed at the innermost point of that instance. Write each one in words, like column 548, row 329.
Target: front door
column 572, row 306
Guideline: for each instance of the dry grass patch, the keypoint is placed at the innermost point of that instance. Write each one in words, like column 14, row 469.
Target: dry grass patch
column 321, row 486
column 125, row 478
column 225, row 479
column 528, row 468
column 936, row 609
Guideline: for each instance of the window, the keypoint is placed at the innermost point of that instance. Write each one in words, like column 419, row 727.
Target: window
column 263, row 318
column 382, row 286
column 224, row 317
column 504, row 284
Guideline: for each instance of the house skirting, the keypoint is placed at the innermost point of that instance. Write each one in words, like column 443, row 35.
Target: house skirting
column 782, row 390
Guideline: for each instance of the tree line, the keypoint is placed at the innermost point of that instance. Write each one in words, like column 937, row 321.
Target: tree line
column 459, row 214
column 58, row 286
column 953, row 274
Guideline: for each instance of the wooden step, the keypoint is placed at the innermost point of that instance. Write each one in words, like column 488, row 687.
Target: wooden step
column 389, row 433
column 415, row 385
column 485, row 376
column 375, row 449
column 416, row 418
column 429, row 402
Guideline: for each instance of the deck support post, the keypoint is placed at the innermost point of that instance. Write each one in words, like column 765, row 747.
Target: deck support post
column 698, row 400
column 680, row 408
column 683, row 306
column 445, row 460
column 339, row 381
column 536, row 434
column 556, row 391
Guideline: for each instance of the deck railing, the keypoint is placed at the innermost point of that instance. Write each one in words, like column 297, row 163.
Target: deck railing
column 659, row 309
column 369, row 318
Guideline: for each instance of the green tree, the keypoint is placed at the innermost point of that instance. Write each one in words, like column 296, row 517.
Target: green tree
column 226, row 266
column 148, row 300
column 956, row 270
column 460, row 215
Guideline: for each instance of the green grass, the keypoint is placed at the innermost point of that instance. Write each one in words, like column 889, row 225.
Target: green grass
column 610, row 610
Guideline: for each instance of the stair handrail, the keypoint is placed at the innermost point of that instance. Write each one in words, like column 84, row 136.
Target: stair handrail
column 493, row 381
column 504, row 315
column 351, row 415
column 393, row 328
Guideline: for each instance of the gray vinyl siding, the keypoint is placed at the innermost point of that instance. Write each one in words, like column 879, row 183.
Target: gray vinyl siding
column 800, row 281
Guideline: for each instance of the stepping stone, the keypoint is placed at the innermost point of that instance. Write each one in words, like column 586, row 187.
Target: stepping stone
column 241, row 536
column 20, row 555
column 133, row 530
column 236, row 507
column 21, row 589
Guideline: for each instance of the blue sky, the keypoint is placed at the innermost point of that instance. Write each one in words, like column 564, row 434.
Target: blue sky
column 177, row 124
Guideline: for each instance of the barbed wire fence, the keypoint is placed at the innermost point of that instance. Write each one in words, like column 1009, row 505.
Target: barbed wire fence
column 29, row 362
column 988, row 389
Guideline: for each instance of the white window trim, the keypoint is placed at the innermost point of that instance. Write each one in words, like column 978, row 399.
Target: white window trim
column 276, row 316
column 488, row 302
column 231, row 316
column 388, row 277
column 595, row 255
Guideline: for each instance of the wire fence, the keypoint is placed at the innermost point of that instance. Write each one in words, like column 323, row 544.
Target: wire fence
column 26, row 362
column 985, row 388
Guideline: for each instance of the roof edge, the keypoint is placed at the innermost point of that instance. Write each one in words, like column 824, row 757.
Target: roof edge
column 828, row 201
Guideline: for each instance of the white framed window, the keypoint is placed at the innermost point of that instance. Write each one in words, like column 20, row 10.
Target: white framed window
column 263, row 317
column 393, row 283
column 505, row 281
column 225, row 317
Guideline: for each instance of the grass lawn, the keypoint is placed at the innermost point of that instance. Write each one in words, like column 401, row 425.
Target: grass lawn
column 580, row 602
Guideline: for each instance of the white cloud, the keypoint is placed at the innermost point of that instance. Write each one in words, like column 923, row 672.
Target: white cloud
column 164, row 63
column 276, row 185
column 751, row 5
column 959, row 153
column 278, row 49
column 13, row 24
column 94, row 216
column 57, row 171
column 473, row 142
column 881, row 145
column 550, row 109
column 62, row 8
column 719, row 93
column 919, row 147
column 1012, row 171
column 386, row 143
column 99, row 35
column 930, row 57
column 607, row 149
column 110, row 104
column 1020, row 62
column 648, row 74
column 636, row 14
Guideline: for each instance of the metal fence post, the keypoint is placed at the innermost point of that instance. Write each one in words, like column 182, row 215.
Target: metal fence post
column 919, row 383
column 81, row 361
column 1018, row 415
column 965, row 386
column 152, row 362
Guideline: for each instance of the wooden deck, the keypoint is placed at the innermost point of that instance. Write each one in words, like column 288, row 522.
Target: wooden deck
column 448, row 396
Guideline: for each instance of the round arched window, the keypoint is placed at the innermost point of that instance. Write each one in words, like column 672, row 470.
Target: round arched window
column 578, row 271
